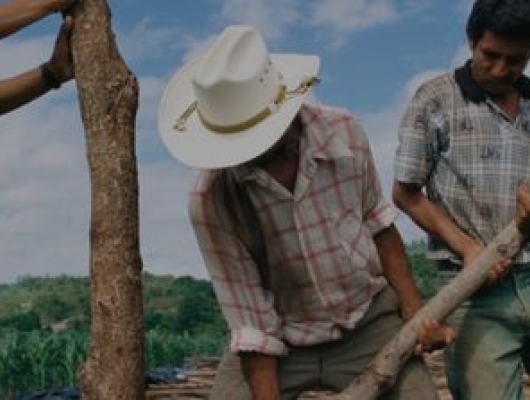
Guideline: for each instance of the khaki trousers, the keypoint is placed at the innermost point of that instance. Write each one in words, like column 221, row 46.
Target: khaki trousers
column 333, row 365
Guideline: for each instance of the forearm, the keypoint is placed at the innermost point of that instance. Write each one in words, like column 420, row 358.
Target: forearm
column 261, row 373
column 17, row 14
column 21, row 89
column 431, row 218
column 397, row 271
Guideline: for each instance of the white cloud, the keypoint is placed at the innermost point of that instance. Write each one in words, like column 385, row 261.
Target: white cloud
column 382, row 131
column 44, row 186
column 45, row 192
column 352, row 15
column 271, row 17
column 147, row 40
column 465, row 6
column 44, row 183
column 462, row 54
column 19, row 55
column 344, row 18
column 43, row 189
column 168, row 243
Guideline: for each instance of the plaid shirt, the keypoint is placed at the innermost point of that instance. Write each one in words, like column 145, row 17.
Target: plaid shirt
column 324, row 267
column 467, row 153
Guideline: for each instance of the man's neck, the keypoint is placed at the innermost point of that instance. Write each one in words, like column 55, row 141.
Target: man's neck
column 283, row 166
column 284, row 170
column 509, row 104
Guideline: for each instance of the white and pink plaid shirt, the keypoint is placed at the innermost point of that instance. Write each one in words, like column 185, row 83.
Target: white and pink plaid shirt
column 324, row 268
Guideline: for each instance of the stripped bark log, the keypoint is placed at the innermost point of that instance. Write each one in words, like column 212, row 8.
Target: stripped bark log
column 108, row 95
column 385, row 367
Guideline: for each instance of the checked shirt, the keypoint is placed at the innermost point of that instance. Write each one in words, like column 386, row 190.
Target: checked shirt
column 470, row 157
column 323, row 264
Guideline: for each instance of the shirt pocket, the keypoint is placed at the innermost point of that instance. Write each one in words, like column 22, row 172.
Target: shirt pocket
column 354, row 238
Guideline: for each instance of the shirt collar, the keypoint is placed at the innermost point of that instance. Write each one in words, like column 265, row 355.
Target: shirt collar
column 323, row 140
column 471, row 90
column 320, row 140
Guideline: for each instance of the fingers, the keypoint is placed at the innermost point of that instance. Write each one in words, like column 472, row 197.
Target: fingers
column 433, row 335
column 67, row 26
column 62, row 5
column 69, row 8
column 62, row 42
column 522, row 211
column 499, row 270
column 61, row 60
column 67, row 4
column 523, row 191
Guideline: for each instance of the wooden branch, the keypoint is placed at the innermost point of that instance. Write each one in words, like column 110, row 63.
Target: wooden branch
column 385, row 367
column 108, row 96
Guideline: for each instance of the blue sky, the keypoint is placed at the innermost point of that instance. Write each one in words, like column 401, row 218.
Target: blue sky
column 373, row 54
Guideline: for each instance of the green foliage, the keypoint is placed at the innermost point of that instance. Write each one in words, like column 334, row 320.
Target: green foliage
column 53, row 299
column 163, row 348
column 422, row 269
column 39, row 360
column 36, row 361
column 198, row 309
column 44, row 325
column 24, row 322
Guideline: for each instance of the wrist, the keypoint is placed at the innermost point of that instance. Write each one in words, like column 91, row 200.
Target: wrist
column 409, row 307
column 261, row 374
column 408, row 312
column 49, row 78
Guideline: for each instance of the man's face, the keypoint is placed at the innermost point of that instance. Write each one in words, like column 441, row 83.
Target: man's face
column 278, row 150
column 498, row 63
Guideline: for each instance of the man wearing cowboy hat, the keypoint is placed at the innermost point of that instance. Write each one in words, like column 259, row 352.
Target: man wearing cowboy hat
column 307, row 266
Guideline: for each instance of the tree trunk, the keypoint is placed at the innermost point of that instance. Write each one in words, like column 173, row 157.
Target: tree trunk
column 108, row 95
column 385, row 367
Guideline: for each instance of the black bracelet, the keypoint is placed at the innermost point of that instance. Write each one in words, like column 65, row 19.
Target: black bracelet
column 48, row 77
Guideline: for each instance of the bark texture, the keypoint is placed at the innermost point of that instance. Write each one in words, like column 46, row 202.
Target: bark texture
column 108, row 96
column 384, row 369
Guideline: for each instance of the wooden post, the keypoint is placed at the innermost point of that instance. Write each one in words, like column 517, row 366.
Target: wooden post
column 108, row 96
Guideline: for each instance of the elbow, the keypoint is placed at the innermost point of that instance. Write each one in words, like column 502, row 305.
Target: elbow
column 397, row 195
column 406, row 195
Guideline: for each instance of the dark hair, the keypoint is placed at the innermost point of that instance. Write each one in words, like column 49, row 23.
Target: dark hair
column 508, row 18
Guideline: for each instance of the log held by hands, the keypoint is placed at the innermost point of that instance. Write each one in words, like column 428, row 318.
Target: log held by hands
column 385, row 367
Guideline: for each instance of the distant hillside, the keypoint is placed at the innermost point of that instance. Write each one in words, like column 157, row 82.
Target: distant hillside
column 178, row 304
column 58, row 303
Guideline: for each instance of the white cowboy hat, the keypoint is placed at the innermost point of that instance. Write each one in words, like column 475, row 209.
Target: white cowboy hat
column 232, row 104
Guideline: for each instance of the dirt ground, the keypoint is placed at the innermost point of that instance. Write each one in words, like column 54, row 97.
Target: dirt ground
column 198, row 384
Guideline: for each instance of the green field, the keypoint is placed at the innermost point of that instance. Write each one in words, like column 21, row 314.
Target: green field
column 44, row 325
